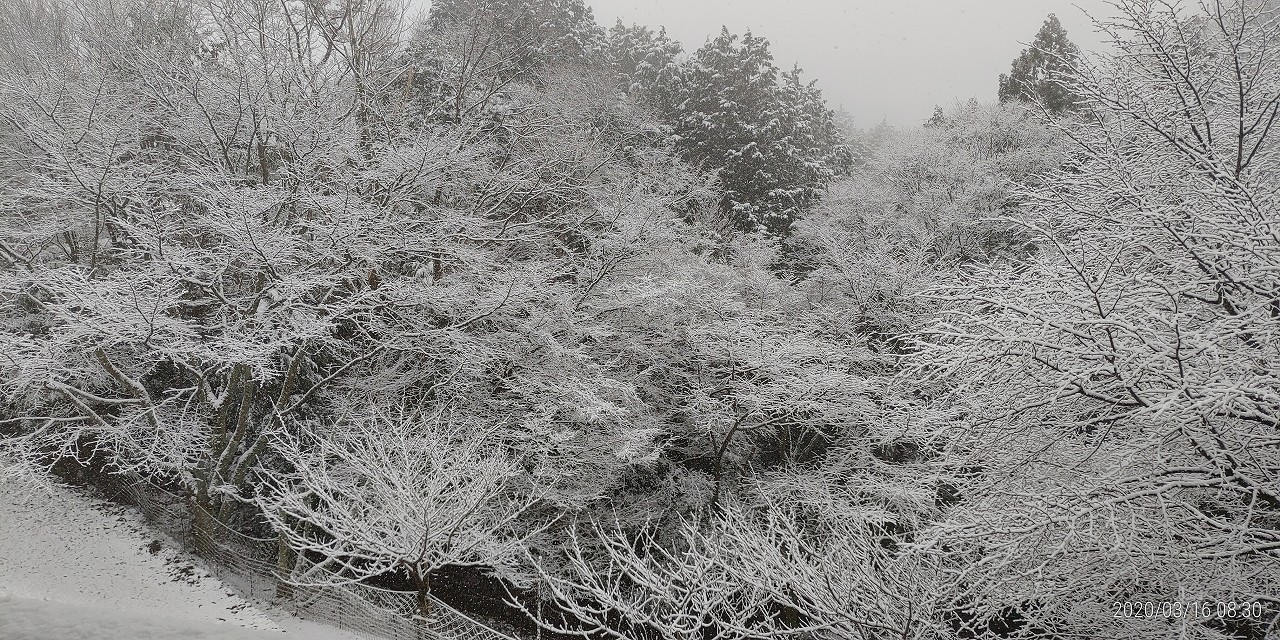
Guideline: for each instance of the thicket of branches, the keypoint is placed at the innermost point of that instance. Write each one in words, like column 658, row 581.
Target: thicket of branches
column 496, row 288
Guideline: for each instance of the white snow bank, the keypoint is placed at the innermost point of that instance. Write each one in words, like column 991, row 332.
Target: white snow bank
column 72, row 566
column 30, row 619
column 58, row 544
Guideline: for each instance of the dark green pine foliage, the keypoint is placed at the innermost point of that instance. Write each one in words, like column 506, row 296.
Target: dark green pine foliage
column 772, row 141
column 809, row 142
column 938, row 119
column 470, row 51
column 527, row 34
column 1041, row 72
column 729, row 96
column 646, row 62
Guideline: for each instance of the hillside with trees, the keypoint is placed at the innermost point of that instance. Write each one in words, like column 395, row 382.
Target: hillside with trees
column 646, row 342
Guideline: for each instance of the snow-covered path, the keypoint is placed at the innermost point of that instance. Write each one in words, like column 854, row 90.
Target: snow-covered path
column 69, row 561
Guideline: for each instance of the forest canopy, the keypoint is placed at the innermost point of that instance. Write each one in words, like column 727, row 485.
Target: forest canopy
column 646, row 336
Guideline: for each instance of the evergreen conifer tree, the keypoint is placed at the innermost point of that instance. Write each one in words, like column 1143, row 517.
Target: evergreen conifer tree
column 645, row 61
column 770, row 137
column 1039, row 73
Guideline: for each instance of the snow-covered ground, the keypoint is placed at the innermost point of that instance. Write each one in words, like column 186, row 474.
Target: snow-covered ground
column 73, row 566
column 31, row 619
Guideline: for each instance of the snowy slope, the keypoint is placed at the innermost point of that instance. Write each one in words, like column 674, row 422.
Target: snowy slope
column 72, row 566
column 29, row 619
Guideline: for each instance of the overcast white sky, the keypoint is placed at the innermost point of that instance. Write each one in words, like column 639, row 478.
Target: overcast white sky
column 891, row 59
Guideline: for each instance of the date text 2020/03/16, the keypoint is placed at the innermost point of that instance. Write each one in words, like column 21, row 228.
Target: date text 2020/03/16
column 1192, row 609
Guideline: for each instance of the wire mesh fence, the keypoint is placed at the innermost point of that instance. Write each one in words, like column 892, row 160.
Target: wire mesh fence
column 252, row 566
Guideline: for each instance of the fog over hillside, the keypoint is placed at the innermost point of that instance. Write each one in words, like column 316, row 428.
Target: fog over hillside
column 878, row 59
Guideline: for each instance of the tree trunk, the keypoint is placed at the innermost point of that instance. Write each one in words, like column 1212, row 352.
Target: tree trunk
column 424, row 594
column 284, row 567
column 202, row 533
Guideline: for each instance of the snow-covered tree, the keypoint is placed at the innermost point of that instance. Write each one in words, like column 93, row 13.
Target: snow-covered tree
column 1042, row 72
column 925, row 204
column 468, row 53
column 807, row 567
column 394, row 492
column 773, row 146
column 1121, row 387
column 807, row 131
column 647, row 62
column 195, row 256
